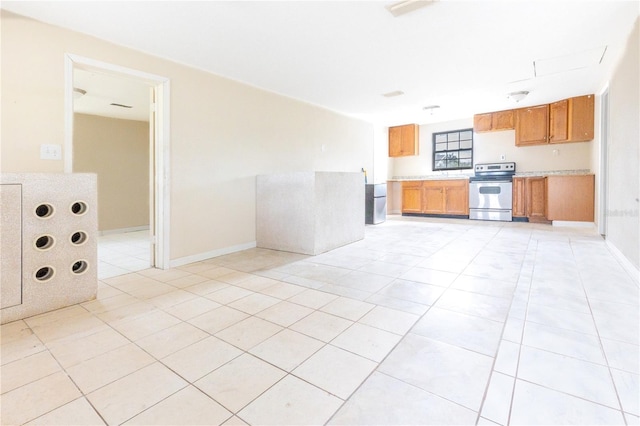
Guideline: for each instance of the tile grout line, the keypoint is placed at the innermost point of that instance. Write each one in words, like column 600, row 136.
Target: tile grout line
column 601, row 346
column 495, row 357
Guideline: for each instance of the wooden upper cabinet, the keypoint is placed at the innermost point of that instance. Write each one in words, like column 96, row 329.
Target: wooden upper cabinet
column 493, row 121
column 502, row 120
column 581, row 118
column 532, row 125
column 559, row 121
column 568, row 120
column 482, row 122
column 571, row 120
column 403, row 140
column 395, row 141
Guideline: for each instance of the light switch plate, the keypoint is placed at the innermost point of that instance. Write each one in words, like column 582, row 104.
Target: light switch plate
column 50, row 152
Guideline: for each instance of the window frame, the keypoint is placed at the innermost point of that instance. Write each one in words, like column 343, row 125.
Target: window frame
column 457, row 150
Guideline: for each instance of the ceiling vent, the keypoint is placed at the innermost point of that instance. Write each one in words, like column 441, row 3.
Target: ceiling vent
column 407, row 6
column 393, row 94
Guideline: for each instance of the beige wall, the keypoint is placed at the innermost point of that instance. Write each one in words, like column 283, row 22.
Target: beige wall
column 623, row 178
column 223, row 133
column 118, row 151
column 488, row 147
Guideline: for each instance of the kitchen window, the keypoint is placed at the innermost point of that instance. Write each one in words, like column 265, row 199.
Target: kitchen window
column 453, row 150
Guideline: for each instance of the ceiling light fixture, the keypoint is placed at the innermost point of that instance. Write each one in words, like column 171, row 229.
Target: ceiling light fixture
column 78, row 93
column 407, row 6
column 431, row 108
column 518, row 96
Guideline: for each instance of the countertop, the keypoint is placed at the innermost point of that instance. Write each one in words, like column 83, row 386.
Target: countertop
column 555, row 173
column 579, row 172
column 430, row 177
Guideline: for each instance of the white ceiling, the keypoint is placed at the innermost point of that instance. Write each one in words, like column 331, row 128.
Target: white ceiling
column 343, row 55
column 103, row 90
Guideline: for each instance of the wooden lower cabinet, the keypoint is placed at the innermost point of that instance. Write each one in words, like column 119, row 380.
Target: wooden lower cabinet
column 519, row 200
column 457, row 197
column 437, row 197
column 554, row 197
column 433, row 196
column 536, row 199
column 570, row 198
column 530, row 198
column 412, row 197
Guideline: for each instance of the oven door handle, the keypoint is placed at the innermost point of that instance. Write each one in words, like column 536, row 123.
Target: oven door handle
column 490, row 181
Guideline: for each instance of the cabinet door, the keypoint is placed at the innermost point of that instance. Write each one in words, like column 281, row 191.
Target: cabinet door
column 403, row 140
column 502, row 120
column 519, row 200
column 570, row 198
column 410, row 139
column 559, row 121
column 457, row 197
column 581, row 111
column 536, row 192
column 482, row 122
column 412, row 197
column 532, row 125
column 395, row 141
column 433, row 195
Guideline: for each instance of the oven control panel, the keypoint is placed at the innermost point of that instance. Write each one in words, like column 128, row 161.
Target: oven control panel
column 497, row 168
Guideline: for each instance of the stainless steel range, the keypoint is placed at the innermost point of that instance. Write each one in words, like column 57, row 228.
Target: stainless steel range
column 491, row 192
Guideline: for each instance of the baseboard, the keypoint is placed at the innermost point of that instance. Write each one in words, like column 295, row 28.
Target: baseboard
column 626, row 264
column 444, row 216
column 124, row 230
column 571, row 223
column 210, row 254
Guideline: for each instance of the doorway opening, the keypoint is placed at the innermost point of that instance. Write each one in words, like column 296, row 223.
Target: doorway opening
column 151, row 121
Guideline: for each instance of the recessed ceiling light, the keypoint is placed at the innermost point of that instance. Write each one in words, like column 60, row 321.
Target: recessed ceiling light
column 392, row 94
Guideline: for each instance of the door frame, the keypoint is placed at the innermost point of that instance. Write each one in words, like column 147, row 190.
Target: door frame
column 603, row 166
column 161, row 143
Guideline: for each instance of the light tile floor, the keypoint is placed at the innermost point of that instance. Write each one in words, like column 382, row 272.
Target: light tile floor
column 123, row 253
column 425, row 321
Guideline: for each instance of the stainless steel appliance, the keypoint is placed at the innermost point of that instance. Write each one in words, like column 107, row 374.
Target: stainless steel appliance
column 375, row 203
column 491, row 191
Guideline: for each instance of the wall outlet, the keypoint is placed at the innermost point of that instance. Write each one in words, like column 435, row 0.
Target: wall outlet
column 50, row 152
column 503, row 157
column 556, row 152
